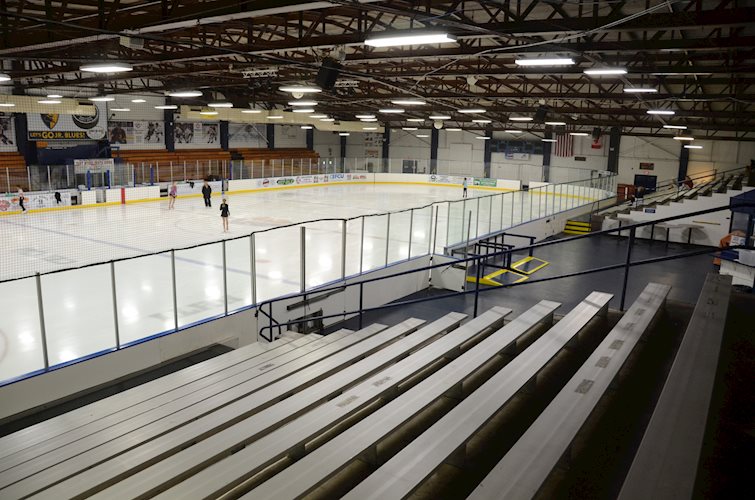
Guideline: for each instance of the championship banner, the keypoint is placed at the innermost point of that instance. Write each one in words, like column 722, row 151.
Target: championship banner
column 136, row 132
column 59, row 127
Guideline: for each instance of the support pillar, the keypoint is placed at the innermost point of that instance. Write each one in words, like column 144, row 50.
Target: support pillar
column 614, row 144
column 547, row 149
column 488, row 152
column 310, row 139
column 434, row 136
column 270, row 136
column 683, row 163
column 386, row 148
column 224, row 135
column 170, row 139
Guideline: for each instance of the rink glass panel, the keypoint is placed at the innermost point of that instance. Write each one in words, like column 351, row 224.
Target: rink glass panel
column 20, row 332
column 199, row 283
column 144, row 290
column 79, row 316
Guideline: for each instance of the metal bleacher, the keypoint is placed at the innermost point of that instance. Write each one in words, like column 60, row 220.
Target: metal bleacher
column 327, row 415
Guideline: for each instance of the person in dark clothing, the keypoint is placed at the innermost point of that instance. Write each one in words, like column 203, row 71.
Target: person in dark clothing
column 224, row 213
column 688, row 182
column 58, row 201
column 207, row 193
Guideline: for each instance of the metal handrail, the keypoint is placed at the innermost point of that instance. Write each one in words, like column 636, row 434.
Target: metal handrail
column 479, row 261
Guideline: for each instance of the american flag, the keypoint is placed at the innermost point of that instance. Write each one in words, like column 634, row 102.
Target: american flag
column 564, row 144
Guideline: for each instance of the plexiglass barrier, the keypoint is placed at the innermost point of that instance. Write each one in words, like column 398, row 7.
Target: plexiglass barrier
column 52, row 319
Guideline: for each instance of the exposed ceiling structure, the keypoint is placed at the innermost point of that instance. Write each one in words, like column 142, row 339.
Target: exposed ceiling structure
column 698, row 54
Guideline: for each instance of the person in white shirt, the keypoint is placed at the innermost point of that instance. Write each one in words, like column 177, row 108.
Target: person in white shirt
column 465, row 184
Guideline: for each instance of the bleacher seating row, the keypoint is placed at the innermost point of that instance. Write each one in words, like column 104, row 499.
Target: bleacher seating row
column 283, row 419
column 13, row 171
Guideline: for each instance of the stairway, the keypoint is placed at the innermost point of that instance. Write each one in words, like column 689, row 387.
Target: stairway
column 577, row 227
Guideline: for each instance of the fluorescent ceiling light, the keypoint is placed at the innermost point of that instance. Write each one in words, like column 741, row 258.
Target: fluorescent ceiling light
column 473, row 110
column 327, row 119
column 676, row 127
column 343, row 134
column 318, row 116
column 513, row 131
column 692, row 146
column 54, row 96
column 306, row 127
column 482, row 121
column 364, row 116
column 303, row 110
column 391, row 110
column 660, row 112
column 4, row 77
column 683, row 138
column 123, row 110
column 6, row 105
column 274, row 117
column 422, row 136
column 255, row 111
column 221, row 105
column 439, row 117
column 555, row 124
column 369, row 119
column 300, row 89
column 640, row 90
column 208, row 113
column 681, row 73
column 553, row 61
column 408, row 102
column 453, row 130
column 579, row 134
column 102, row 98
column 520, row 118
column 605, row 71
column 302, row 103
column 111, row 67
column 138, row 100
column 397, row 39
column 409, row 128
column 548, row 140
column 482, row 137
column 185, row 93
column 369, row 128
column 415, row 120
column 166, row 106
column 49, row 101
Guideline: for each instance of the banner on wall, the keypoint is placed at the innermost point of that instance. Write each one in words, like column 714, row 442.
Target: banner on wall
column 59, row 127
column 93, row 165
column 7, row 132
column 9, row 202
column 196, row 133
column 136, row 132
column 246, row 134
column 485, row 182
column 516, row 156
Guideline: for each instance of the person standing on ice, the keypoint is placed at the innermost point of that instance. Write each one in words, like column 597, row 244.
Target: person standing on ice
column 224, row 213
column 172, row 193
column 465, row 184
column 206, row 194
column 21, row 199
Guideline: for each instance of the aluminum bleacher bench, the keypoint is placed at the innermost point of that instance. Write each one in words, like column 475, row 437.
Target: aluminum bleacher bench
column 290, row 440
column 363, row 438
column 173, row 387
column 406, row 471
column 522, row 471
column 68, row 421
column 665, row 465
column 215, row 448
column 317, row 358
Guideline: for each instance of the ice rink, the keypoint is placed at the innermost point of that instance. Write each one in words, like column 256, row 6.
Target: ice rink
column 78, row 304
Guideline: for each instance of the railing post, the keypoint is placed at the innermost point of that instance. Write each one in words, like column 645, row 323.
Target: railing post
column 115, row 306
column 448, row 222
column 253, row 266
column 175, row 294
column 361, row 303
column 42, row 329
column 49, row 180
column 225, row 280
column 361, row 249
column 433, row 241
column 302, row 257
column 411, row 224
column 469, row 228
column 630, row 244
column 477, row 285
column 387, row 238
column 343, row 249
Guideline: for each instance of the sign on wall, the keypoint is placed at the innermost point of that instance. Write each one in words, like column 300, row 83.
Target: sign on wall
column 647, row 166
column 93, row 165
column 136, row 132
column 246, row 135
column 196, row 133
column 60, row 127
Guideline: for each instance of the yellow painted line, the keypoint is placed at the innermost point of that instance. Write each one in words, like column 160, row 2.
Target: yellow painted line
column 578, row 223
column 483, row 281
column 529, row 259
column 576, row 233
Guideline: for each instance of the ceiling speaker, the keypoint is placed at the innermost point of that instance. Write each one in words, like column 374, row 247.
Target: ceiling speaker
column 541, row 113
column 328, row 74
